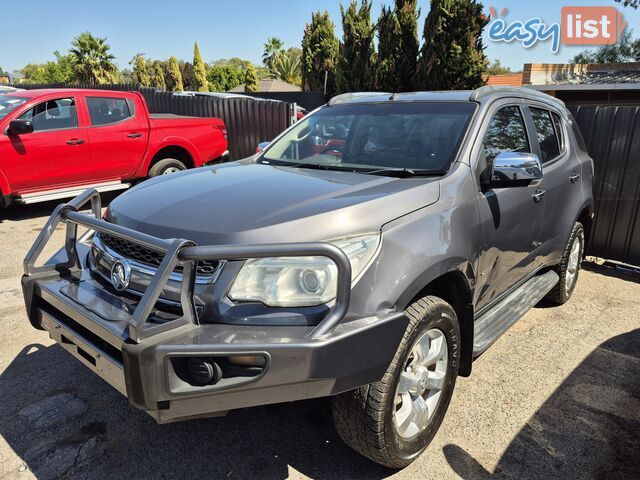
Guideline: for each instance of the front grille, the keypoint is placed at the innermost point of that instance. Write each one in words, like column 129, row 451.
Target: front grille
column 133, row 251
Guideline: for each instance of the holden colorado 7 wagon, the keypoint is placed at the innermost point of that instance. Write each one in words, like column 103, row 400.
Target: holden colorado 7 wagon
column 55, row 143
column 369, row 253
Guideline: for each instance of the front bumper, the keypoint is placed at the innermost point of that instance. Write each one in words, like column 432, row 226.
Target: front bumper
column 141, row 350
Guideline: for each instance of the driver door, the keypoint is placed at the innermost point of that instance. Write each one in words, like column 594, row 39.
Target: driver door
column 511, row 217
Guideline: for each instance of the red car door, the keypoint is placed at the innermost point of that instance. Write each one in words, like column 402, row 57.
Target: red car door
column 49, row 156
column 118, row 135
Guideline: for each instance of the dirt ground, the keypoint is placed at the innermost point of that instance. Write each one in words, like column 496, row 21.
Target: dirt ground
column 558, row 396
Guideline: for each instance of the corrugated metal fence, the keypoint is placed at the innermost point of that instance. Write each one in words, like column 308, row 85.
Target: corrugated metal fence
column 612, row 134
column 249, row 121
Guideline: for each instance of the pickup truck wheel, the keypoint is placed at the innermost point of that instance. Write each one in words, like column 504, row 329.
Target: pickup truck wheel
column 166, row 166
column 392, row 421
column 569, row 267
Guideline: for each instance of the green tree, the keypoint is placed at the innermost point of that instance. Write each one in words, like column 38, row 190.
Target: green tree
column 272, row 49
column 199, row 70
column 140, row 74
column 452, row 55
column 624, row 50
column 388, row 51
column 629, row 3
column 356, row 70
column 175, row 77
column 58, row 71
column 251, row 79
column 287, row 68
column 225, row 77
column 157, row 80
column 188, row 75
column 319, row 54
column 496, row 68
column 91, row 60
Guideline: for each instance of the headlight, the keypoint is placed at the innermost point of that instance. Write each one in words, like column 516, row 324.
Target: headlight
column 301, row 281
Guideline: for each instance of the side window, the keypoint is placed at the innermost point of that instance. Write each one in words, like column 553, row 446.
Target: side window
column 549, row 146
column 106, row 110
column 577, row 133
column 506, row 133
column 53, row 115
column 557, row 123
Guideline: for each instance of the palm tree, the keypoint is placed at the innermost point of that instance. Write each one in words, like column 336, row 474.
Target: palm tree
column 91, row 60
column 287, row 68
column 272, row 49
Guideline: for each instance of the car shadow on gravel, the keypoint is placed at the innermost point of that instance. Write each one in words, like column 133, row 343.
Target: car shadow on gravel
column 588, row 428
column 62, row 422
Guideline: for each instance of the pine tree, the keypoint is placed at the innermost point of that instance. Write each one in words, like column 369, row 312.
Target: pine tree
column 140, row 71
column 319, row 54
column 388, row 51
column 251, row 79
column 356, row 71
column 407, row 15
column 175, row 76
column 158, row 80
column 452, row 55
column 200, row 71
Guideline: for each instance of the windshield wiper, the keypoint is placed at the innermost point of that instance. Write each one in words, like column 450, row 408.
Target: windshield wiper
column 406, row 172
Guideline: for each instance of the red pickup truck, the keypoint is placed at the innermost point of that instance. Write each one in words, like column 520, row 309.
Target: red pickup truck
column 55, row 143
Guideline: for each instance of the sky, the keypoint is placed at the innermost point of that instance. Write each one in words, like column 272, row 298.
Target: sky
column 223, row 29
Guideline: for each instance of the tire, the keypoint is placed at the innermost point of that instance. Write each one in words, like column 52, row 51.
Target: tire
column 366, row 418
column 569, row 267
column 166, row 166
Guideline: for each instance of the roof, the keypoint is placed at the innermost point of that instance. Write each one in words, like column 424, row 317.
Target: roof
column 584, row 76
column 446, row 96
column 270, row 85
column 47, row 91
column 509, row 79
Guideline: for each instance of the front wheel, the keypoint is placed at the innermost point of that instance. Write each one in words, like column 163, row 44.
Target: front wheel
column 166, row 166
column 392, row 421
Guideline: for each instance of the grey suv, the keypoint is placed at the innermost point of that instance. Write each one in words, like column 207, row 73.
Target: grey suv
column 370, row 253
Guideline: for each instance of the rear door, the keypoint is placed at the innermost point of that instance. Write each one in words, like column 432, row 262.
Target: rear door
column 118, row 135
column 510, row 218
column 561, row 171
column 50, row 156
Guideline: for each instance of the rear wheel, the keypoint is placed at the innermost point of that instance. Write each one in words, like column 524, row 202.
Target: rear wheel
column 569, row 267
column 393, row 420
column 166, row 166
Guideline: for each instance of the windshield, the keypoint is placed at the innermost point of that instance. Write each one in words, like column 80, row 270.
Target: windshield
column 8, row 104
column 421, row 136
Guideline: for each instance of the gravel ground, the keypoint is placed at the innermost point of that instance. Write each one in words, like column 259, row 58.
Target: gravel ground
column 558, row 396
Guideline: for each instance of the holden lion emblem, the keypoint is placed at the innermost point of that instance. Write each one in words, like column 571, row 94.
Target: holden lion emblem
column 120, row 275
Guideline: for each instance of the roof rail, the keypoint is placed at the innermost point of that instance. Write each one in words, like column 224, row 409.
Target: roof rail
column 486, row 90
column 345, row 97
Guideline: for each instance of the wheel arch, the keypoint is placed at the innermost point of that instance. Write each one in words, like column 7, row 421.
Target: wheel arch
column 455, row 286
column 173, row 151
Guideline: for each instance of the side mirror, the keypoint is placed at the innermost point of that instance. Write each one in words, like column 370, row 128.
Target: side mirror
column 261, row 146
column 20, row 127
column 515, row 169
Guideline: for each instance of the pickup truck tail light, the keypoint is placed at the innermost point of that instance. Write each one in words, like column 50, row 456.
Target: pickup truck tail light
column 223, row 129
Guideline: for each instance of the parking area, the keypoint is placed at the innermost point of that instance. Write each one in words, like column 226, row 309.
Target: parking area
column 558, row 396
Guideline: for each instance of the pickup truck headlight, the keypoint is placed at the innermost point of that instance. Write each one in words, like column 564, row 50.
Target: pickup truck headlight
column 301, row 281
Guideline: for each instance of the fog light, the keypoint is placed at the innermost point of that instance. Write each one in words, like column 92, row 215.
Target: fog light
column 248, row 360
column 203, row 371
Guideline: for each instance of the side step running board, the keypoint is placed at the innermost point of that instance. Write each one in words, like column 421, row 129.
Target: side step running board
column 495, row 322
column 68, row 192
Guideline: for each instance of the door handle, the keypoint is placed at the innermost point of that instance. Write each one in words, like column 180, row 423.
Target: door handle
column 134, row 135
column 574, row 177
column 538, row 195
column 75, row 141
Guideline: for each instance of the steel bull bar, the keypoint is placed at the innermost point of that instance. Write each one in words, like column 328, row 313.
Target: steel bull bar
column 177, row 250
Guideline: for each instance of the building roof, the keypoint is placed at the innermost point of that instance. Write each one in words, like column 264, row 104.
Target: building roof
column 270, row 85
column 509, row 79
column 565, row 74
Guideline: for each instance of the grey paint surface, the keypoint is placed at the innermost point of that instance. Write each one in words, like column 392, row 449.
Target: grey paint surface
column 493, row 239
